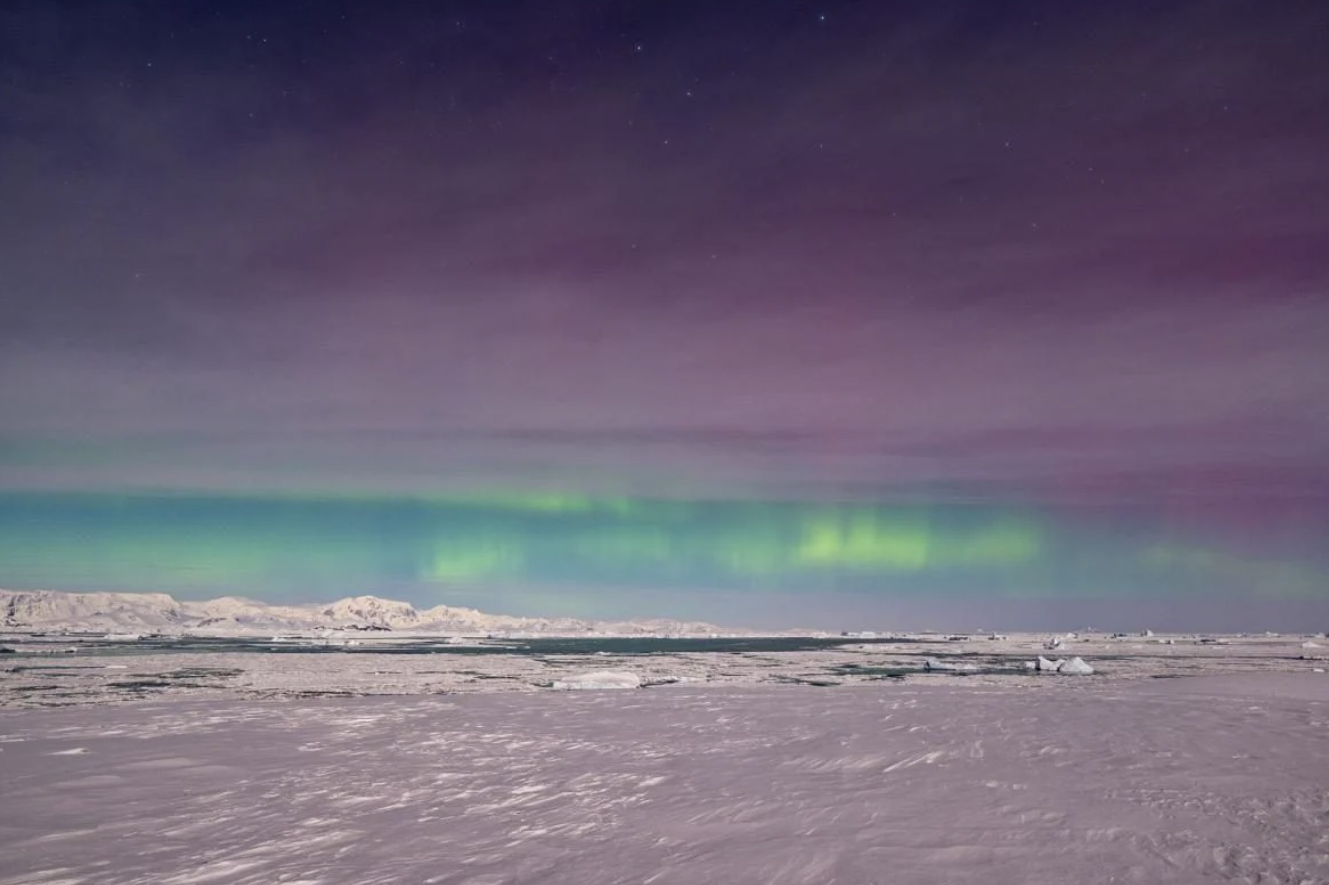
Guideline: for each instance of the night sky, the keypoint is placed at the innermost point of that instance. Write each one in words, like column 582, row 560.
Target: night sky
column 950, row 313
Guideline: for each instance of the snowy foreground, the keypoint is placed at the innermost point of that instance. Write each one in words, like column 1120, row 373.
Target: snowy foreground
column 1046, row 780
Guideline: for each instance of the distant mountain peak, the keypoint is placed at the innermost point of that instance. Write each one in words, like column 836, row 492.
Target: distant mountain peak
column 372, row 611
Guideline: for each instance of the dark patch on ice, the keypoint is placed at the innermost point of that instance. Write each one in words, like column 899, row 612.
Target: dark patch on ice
column 50, row 668
column 203, row 673
column 140, row 684
column 478, row 675
column 186, row 677
column 872, row 672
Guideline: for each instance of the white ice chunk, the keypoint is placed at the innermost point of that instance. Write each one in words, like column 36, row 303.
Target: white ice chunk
column 1076, row 667
column 599, row 679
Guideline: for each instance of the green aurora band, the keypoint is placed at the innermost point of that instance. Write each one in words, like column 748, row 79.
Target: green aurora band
column 293, row 547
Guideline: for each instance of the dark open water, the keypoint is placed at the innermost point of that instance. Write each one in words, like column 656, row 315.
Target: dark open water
column 375, row 643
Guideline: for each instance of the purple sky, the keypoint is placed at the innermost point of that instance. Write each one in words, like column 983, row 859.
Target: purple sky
column 1048, row 252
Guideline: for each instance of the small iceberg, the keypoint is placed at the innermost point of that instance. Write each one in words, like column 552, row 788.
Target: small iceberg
column 1076, row 667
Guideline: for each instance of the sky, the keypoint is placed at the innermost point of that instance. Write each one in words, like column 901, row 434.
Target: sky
column 840, row 314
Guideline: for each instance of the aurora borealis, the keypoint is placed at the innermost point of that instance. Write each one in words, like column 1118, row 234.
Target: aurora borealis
column 766, row 561
column 946, row 314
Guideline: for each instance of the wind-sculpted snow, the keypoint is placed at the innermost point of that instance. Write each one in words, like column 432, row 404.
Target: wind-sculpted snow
column 1176, row 781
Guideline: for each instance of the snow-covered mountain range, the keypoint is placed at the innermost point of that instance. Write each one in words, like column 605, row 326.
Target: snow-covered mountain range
column 158, row 612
